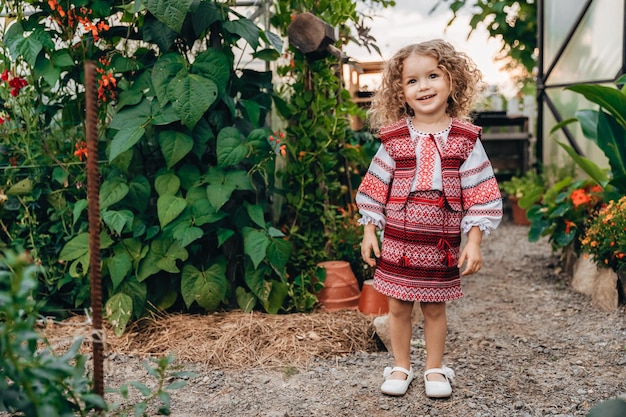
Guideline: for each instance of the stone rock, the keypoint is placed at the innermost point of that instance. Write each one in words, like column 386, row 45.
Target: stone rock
column 381, row 324
column 599, row 283
column 604, row 294
column 583, row 275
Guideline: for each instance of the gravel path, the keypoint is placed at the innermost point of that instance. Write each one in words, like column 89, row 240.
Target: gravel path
column 521, row 342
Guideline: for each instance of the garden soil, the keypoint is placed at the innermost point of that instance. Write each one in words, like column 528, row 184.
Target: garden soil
column 521, row 341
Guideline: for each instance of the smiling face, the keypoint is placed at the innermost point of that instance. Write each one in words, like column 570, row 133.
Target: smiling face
column 426, row 87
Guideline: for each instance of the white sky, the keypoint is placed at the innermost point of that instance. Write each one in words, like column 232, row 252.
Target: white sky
column 410, row 22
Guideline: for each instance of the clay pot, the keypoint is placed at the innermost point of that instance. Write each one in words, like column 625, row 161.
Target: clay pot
column 341, row 289
column 519, row 214
column 371, row 301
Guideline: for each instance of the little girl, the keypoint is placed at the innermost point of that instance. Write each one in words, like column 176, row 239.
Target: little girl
column 429, row 182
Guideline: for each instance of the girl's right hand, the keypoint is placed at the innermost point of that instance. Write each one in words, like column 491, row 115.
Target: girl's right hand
column 369, row 245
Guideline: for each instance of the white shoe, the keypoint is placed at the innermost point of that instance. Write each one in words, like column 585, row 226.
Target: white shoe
column 439, row 389
column 396, row 386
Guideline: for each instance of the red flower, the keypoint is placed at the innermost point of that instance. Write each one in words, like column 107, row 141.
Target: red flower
column 5, row 75
column 569, row 225
column 81, row 150
column 580, row 197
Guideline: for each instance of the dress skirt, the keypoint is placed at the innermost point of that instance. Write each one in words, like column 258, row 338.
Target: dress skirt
column 420, row 251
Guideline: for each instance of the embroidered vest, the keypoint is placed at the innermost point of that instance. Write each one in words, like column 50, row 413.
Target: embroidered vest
column 401, row 148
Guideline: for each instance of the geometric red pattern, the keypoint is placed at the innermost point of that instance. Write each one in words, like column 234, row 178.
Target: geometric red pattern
column 410, row 267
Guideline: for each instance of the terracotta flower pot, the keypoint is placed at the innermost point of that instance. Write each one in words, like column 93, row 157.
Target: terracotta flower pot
column 519, row 214
column 341, row 289
column 371, row 301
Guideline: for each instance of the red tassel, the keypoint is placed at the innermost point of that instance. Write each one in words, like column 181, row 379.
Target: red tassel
column 441, row 202
column 404, row 261
column 450, row 259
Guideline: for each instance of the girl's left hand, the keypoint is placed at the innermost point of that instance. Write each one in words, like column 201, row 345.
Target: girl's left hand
column 471, row 254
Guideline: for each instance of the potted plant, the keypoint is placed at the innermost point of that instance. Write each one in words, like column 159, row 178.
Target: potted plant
column 523, row 191
column 605, row 241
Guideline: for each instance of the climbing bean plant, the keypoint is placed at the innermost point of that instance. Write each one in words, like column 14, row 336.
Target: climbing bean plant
column 187, row 164
column 318, row 108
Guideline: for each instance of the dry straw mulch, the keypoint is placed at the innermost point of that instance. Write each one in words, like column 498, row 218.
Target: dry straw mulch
column 232, row 339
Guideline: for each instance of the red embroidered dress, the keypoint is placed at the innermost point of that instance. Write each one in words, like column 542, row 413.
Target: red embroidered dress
column 423, row 190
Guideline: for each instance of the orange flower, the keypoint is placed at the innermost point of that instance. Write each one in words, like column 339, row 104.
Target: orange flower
column 81, row 150
column 568, row 225
column 580, row 197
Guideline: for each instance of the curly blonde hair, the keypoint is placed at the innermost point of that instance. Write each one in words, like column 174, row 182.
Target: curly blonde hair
column 388, row 103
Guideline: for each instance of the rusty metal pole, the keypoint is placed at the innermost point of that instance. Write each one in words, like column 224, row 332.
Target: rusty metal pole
column 93, row 208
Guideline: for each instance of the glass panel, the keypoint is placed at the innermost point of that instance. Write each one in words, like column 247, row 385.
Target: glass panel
column 559, row 17
column 567, row 103
column 595, row 51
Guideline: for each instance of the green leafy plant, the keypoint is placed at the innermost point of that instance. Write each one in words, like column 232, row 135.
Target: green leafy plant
column 35, row 380
column 564, row 212
column 527, row 188
column 606, row 127
column 167, row 379
column 187, row 163
column 320, row 145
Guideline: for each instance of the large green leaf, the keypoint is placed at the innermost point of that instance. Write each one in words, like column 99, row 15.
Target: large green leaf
column 223, row 234
column 132, row 117
column 75, row 248
column 169, row 207
column 245, row 300
column 230, row 148
column 207, row 287
column 165, row 115
column 252, row 111
column 173, row 253
column 255, row 243
column 278, row 253
column 191, row 96
column 124, row 140
column 270, row 293
column 186, row 235
column 203, row 212
column 255, row 212
column 119, row 266
column 244, row 28
column 29, row 48
column 119, row 309
column 44, row 68
column 133, row 95
column 167, row 183
column 139, row 193
column 214, row 65
column 609, row 98
column 204, row 15
column 172, row 13
column 189, row 175
column 158, row 32
column 221, row 185
column 162, row 255
column 164, row 70
column 255, row 280
column 593, row 170
column 112, row 191
column 174, row 146
column 588, row 120
column 612, row 141
column 117, row 220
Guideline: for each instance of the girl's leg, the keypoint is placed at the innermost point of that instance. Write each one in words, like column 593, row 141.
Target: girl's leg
column 435, row 331
column 400, row 330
